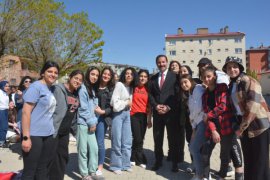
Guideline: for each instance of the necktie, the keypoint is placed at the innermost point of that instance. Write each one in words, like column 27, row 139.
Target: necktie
column 161, row 80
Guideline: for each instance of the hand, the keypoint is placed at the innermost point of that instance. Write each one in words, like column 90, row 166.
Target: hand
column 99, row 111
column 92, row 129
column 19, row 93
column 215, row 136
column 238, row 133
column 26, row 145
column 130, row 103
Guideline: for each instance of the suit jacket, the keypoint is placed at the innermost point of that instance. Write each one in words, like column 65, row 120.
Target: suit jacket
column 167, row 95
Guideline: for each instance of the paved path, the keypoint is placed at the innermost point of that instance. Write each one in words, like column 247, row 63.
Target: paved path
column 10, row 162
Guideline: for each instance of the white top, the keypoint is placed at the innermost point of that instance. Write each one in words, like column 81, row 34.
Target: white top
column 4, row 100
column 222, row 78
column 120, row 97
column 235, row 100
column 159, row 76
column 195, row 105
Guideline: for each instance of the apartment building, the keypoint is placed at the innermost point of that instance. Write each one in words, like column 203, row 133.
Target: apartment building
column 188, row 49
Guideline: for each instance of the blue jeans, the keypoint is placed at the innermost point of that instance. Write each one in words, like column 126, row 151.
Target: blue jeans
column 3, row 125
column 100, row 135
column 195, row 147
column 121, row 141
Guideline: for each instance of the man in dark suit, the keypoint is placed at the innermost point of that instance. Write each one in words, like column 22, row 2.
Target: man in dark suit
column 163, row 97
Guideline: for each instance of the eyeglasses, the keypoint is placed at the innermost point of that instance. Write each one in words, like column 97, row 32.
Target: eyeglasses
column 27, row 81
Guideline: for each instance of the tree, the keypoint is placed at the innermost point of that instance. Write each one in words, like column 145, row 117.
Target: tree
column 252, row 74
column 41, row 30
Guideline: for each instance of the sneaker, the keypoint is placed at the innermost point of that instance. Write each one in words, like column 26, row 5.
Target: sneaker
column 142, row 166
column 5, row 145
column 132, row 163
column 129, row 170
column 117, row 172
column 98, row 173
column 190, row 169
column 230, row 172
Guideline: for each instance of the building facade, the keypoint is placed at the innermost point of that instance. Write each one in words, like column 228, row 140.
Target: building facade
column 188, row 49
column 13, row 69
column 258, row 60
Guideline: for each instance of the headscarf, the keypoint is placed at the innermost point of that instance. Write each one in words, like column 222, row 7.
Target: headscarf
column 2, row 85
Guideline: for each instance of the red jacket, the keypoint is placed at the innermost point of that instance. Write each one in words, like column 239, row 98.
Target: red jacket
column 222, row 112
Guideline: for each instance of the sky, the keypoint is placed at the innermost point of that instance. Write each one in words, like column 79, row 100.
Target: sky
column 134, row 30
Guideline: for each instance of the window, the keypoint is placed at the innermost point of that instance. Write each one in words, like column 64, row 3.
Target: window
column 218, row 39
column 237, row 40
column 219, row 61
column 191, row 40
column 192, row 61
column 209, row 51
column 191, row 51
column 200, row 51
column 172, row 43
column 238, row 50
column 183, row 51
column 184, row 62
column 218, row 50
column 172, row 53
column 226, row 50
column 183, row 41
column 24, row 66
column 210, row 41
column 200, row 41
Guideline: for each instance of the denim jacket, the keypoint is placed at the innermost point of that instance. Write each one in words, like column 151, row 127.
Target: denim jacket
column 86, row 111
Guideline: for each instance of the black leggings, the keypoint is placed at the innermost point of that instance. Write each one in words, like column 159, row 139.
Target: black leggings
column 36, row 161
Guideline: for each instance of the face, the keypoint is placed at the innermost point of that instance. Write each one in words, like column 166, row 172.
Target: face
column 175, row 67
column 27, row 83
column 7, row 88
column 11, row 105
column 185, row 84
column 106, row 76
column 50, row 75
column 76, row 81
column 202, row 67
column 13, row 89
column 93, row 76
column 143, row 78
column 183, row 70
column 233, row 69
column 209, row 78
column 128, row 76
column 162, row 64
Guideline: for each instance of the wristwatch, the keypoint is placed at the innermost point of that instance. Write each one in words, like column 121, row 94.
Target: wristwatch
column 25, row 138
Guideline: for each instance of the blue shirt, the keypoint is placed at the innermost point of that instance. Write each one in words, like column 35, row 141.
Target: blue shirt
column 41, row 117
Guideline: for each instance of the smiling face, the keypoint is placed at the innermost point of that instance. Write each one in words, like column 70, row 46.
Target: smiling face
column 209, row 78
column 162, row 64
column 232, row 69
column 27, row 83
column 50, row 75
column 76, row 81
column 185, row 84
column 93, row 76
column 175, row 67
column 183, row 70
column 128, row 76
column 106, row 76
column 143, row 79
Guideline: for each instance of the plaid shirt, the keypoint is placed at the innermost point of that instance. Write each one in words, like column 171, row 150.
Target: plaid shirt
column 222, row 114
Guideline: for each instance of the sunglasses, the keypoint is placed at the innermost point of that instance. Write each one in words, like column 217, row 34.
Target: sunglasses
column 28, row 81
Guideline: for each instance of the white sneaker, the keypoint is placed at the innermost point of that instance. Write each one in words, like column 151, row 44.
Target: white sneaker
column 142, row 166
column 117, row 172
column 98, row 173
column 132, row 163
column 129, row 170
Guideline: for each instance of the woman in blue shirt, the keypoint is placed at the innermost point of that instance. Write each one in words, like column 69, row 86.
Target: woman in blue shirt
column 37, row 123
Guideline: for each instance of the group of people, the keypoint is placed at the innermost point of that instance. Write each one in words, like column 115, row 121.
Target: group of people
column 219, row 107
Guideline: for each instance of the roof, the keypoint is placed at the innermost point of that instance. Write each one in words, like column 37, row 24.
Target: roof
column 168, row 36
column 259, row 49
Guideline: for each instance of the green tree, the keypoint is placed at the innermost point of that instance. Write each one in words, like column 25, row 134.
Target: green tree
column 252, row 74
column 41, row 30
